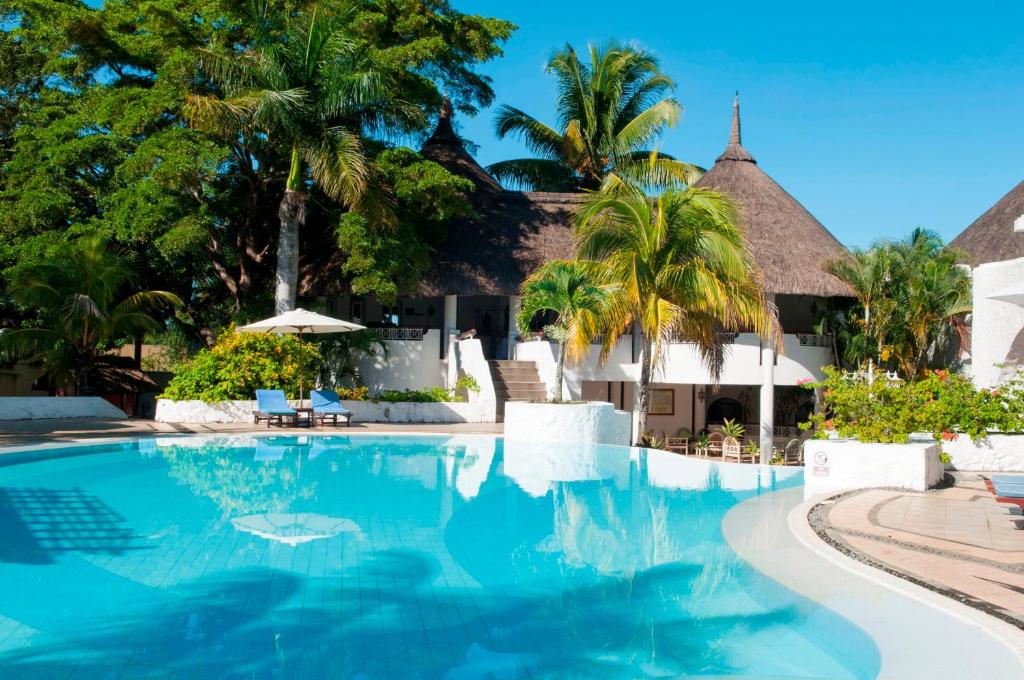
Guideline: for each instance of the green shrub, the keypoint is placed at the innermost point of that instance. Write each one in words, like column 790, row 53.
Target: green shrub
column 353, row 393
column 241, row 363
column 467, row 382
column 429, row 395
column 940, row 403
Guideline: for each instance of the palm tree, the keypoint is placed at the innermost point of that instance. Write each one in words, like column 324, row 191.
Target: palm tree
column 609, row 111
column 85, row 305
column 867, row 273
column 567, row 288
column 931, row 292
column 913, row 295
column 681, row 270
column 311, row 92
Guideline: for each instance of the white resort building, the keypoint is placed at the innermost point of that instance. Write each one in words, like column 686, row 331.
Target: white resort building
column 476, row 275
column 994, row 244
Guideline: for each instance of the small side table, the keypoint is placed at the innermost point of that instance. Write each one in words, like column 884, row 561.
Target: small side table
column 303, row 417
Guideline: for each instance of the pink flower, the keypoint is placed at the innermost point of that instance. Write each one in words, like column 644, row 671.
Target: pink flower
column 804, row 381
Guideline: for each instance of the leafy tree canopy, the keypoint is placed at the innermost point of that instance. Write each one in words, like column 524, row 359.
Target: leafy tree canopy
column 93, row 139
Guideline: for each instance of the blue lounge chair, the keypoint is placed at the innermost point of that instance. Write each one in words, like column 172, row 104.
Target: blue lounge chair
column 327, row 404
column 272, row 405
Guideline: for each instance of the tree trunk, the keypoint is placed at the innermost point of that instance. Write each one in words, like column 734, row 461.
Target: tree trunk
column 558, row 371
column 646, row 365
column 292, row 213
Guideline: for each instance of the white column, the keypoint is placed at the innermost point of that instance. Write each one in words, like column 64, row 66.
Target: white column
column 767, row 397
column 450, row 323
column 515, row 303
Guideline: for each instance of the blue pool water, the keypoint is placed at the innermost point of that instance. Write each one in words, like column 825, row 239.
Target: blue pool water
column 407, row 557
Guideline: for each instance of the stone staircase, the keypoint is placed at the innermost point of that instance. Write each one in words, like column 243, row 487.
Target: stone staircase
column 516, row 381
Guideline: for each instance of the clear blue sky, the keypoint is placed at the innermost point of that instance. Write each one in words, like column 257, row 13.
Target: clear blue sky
column 878, row 117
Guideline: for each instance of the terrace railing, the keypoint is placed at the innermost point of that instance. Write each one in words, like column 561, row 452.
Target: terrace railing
column 398, row 334
column 812, row 340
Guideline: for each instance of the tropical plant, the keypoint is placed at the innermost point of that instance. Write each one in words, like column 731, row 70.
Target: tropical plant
column 939, row 402
column 341, row 354
column 85, row 304
column 568, row 288
column 609, row 112
column 912, row 295
column 681, row 272
column 238, row 364
column 730, row 428
column 308, row 85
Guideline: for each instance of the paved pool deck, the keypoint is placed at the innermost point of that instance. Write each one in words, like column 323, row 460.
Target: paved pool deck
column 27, row 432
column 957, row 541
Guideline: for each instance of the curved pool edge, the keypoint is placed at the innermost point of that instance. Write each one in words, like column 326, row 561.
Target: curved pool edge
column 918, row 633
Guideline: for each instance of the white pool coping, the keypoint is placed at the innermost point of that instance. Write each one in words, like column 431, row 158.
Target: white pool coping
column 919, row 633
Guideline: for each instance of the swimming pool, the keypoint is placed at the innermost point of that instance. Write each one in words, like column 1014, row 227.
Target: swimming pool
column 394, row 556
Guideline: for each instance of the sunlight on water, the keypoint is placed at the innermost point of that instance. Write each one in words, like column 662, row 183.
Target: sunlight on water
column 371, row 557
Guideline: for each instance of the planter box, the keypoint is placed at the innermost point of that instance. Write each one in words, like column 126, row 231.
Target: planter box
column 38, row 408
column 195, row 411
column 995, row 453
column 836, row 465
column 594, row 422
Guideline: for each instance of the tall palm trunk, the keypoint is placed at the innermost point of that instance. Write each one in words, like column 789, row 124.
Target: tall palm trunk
column 292, row 213
column 646, row 368
column 559, row 369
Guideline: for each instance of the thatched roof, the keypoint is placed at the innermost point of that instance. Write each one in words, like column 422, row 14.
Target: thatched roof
column 515, row 231
column 991, row 237
column 445, row 148
column 788, row 243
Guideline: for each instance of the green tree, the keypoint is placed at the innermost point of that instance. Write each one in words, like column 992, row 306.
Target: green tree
column 94, row 140
column 865, row 272
column 86, row 304
column 309, row 86
column 384, row 263
column 609, row 112
column 912, row 296
column 682, row 271
column 568, row 288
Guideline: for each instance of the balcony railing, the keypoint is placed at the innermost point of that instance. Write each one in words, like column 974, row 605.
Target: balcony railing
column 812, row 340
column 415, row 334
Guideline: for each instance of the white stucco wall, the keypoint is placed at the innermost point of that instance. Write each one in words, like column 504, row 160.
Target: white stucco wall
column 994, row 323
column 37, row 408
column 681, row 364
column 995, row 453
column 591, row 422
column 836, row 465
column 410, row 365
column 545, row 355
column 194, row 411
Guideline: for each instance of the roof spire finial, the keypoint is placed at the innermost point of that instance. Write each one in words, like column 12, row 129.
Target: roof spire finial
column 734, row 134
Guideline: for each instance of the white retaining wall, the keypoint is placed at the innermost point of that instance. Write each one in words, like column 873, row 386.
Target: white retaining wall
column 995, row 453
column 194, row 411
column 836, row 465
column 37, row 408
column 410, row 365
column 594, row 422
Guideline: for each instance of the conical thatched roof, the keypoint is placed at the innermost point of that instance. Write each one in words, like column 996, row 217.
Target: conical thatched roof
column 788, row 243
column 991, row 237
column 446, row 149
column 513, row 233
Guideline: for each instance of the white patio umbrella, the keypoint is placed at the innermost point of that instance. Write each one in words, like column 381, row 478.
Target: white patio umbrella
column 300, row 321
column 1013, row 294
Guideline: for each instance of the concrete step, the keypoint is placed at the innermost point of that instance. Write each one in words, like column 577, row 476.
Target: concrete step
column 511, row 374
column 522, row 395
column 507, row 363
